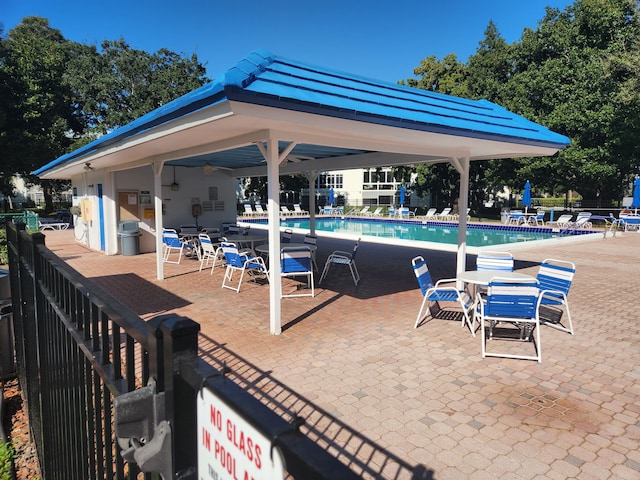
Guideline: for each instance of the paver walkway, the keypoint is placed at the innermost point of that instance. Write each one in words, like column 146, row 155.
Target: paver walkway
column 423, row 396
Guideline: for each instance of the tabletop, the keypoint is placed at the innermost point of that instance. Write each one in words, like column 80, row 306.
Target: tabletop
column 483, row 277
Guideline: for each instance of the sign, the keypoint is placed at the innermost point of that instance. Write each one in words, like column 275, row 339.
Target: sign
column 229, row 448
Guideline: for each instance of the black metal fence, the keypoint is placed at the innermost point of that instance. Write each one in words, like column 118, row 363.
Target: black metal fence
column 110, row 395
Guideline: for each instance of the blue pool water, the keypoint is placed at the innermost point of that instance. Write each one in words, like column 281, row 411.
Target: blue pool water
column 438, row 232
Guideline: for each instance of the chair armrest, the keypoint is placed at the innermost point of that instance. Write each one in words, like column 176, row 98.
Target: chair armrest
column 445, row 280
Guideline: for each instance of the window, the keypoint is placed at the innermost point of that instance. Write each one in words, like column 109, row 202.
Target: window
column 330, row 180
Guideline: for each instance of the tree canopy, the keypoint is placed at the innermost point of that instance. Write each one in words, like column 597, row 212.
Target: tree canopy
column 56, row 94
column 577, row 74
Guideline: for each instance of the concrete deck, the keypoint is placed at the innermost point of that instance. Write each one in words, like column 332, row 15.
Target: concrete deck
column 390, row 398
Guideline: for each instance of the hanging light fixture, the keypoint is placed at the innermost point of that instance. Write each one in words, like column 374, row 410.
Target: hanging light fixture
column 208, row 169
column 174, row 185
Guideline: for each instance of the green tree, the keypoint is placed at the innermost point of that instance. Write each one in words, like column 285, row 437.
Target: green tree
column 490, row 68
column 37, row 118
column 563, row 79
column 443, row 76
column 577, row 73
column 119, row 84
column 56, row 94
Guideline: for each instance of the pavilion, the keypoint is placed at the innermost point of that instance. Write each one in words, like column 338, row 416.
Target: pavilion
column 271, row 116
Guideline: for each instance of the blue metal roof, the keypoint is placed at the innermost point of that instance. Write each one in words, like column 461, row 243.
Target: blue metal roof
column 268, row 80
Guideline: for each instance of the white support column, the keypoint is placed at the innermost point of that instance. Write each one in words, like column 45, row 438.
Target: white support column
column 311, row 177
column 273, row 207
column 110, row 215
column 157, row 205
column 462, row 165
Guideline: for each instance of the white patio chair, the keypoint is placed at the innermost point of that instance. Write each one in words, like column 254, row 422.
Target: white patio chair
column 345, row 259
column 555, row 278
column 510, row 312
column 241, row 262
column 209, row 251
column 312, row 240
column 538, row 220
column 287, row 235
column 297, row 262
column 171, row 243
column 499, row 261
column 516, row 217
column 444, row 291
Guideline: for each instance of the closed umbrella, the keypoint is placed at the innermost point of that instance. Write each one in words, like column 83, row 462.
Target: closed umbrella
column 332, row 197
column 636, row 194
column 402, row 190
column 526, row 196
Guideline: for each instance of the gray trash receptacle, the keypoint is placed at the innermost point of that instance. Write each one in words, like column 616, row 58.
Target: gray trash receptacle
column 129, row 234
column 504, row 215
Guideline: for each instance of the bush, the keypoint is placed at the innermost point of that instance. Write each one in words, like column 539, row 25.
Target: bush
column 6, row 461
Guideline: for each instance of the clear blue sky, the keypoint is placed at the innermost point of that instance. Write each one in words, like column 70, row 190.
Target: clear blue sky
column 382, row 39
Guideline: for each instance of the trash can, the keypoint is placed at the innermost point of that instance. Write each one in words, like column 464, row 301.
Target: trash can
column 129, row 234
column 504, row 215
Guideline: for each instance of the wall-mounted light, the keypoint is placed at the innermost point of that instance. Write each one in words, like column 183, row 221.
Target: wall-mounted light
column 87, row 167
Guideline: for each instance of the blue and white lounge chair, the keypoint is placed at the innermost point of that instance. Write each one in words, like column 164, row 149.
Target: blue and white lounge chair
column 445, row 214
column 260, row 211
column 343, row 258
column 297, row 262
column 241, row 262
column 298, row 209
column 248, row 211
column 431, row 213
column 555, row 278
column 444, row 290
column 563, row 221
column 510, row 311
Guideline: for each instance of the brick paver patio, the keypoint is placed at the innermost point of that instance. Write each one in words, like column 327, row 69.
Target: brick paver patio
column 425, row 396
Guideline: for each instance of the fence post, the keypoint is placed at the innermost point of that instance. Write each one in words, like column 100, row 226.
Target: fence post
column 179, row 339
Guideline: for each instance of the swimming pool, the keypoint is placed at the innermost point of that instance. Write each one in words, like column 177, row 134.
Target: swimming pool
column 478, row 235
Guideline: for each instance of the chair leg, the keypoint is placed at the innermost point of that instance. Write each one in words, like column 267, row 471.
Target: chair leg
column 325, row 270
column 420, row 316
column 354, row 273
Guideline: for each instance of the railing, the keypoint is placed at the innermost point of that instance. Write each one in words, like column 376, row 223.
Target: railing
column 29, row 218
column 110, row 395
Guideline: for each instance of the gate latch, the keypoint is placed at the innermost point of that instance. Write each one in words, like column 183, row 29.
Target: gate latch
column 142, row 432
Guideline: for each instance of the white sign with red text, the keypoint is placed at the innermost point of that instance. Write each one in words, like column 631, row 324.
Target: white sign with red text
column 229, row 448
